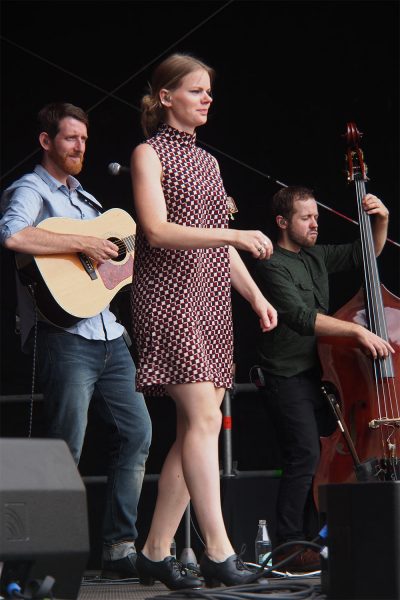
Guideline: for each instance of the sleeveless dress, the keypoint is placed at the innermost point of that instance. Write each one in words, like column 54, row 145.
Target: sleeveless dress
column 181, row 299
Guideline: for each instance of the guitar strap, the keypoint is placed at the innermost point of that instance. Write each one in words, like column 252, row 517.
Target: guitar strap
column 89, row 201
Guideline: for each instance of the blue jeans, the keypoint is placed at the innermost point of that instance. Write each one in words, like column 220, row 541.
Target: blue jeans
column 71, row 368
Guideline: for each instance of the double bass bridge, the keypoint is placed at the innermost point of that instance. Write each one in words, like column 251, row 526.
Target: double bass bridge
column 375, row 423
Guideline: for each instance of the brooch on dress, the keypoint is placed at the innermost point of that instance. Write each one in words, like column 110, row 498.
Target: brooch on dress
column 231, row 206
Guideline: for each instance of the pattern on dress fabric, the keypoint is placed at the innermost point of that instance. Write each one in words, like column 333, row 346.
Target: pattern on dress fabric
column 181, row 299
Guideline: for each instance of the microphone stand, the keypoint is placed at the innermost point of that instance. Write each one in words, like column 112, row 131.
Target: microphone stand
column 188, row 557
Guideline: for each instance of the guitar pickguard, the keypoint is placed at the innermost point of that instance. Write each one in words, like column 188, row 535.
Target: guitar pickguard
column 112, row 273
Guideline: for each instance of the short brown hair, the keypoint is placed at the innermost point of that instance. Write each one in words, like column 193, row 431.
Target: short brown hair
column 283, row 201
column 169, row 75
column 49, row 117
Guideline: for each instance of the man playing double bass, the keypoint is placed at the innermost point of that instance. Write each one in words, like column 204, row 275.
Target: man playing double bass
column 295, row 279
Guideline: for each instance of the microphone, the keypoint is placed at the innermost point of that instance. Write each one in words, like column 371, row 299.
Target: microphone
column 115, row 168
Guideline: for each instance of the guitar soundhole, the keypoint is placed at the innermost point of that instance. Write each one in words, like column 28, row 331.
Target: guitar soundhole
column 121, row 249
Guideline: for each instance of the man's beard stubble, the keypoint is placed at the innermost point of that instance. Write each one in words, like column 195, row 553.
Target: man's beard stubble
column 302, row 241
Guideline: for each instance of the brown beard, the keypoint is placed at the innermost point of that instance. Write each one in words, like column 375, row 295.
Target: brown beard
column 63, row 162
column 303, row 241
column 72, row 168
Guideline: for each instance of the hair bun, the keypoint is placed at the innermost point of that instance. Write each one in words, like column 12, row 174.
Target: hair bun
column 147, row 101
column 152, row 111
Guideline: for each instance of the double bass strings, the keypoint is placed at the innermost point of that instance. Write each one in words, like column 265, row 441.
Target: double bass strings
column 368, row 279
column 383, row 367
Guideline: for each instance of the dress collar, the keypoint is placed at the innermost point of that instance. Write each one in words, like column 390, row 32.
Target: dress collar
column 182, row 137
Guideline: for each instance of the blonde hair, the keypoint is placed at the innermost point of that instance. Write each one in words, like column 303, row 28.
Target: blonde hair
column 168, row 75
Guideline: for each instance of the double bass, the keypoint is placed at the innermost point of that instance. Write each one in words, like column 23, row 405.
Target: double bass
column 364, row 393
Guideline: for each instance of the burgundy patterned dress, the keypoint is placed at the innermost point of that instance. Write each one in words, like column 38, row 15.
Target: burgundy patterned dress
column 181, row 299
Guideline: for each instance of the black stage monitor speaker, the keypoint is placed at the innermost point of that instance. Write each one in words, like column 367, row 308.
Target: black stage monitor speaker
column 363, row 542
column 43, row 515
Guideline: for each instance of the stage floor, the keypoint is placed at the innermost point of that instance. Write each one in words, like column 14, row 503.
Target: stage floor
column 94, row 588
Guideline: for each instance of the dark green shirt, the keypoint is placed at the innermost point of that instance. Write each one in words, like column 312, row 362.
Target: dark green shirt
column 297, row 285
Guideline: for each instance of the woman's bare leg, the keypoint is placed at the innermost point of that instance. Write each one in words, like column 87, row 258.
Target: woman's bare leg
column 172, row 499
column 192, row 464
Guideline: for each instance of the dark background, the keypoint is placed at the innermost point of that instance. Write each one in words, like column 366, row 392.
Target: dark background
column 290, row 75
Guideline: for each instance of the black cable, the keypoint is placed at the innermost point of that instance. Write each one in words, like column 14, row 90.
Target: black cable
column 93, row 581
column 34, row 360
column 281, row 590
column 196, row 531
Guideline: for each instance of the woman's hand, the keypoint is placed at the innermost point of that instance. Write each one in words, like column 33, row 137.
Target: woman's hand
column 267, row 314
column 255, row 242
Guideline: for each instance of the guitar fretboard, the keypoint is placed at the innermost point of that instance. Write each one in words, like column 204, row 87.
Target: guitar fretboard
column 128, row 243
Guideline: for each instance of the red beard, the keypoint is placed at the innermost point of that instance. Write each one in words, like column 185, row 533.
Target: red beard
column 65, row 162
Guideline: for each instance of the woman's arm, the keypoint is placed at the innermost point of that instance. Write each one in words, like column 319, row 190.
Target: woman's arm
column 243, row 283
column 152, row 214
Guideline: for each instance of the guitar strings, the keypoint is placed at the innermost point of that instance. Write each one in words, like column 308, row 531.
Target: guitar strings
column 125, row 245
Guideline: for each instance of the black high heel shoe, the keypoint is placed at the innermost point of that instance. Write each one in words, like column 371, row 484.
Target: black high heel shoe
column 169, row 571
column 232, row 571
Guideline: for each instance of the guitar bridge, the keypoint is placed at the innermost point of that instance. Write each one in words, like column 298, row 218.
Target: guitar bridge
column 87, row 264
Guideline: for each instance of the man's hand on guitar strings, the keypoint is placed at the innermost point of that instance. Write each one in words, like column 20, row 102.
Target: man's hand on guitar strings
column 98, row 249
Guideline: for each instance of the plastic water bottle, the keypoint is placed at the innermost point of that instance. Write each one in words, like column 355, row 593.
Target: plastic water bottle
column 263, row 546
column 173, row 548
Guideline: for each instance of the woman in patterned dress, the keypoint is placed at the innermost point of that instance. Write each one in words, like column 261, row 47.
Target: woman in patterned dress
column 185, row 263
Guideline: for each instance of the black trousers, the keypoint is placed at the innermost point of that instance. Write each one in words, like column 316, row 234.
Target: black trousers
column 299, row 413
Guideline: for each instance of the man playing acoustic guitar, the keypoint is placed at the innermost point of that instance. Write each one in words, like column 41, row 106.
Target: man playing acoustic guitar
column 90, row 357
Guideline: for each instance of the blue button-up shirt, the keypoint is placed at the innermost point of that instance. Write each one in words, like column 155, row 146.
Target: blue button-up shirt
column 31, row 199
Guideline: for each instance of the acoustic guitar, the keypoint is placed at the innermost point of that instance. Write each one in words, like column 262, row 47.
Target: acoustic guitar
column 71, row 287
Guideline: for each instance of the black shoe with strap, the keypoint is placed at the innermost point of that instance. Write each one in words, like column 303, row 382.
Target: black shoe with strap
column 169, row 571
column 233, row 571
